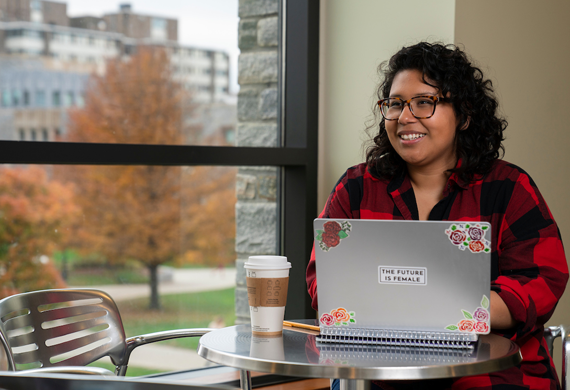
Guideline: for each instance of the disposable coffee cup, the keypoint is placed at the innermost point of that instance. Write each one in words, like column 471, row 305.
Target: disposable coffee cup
column 267, row 283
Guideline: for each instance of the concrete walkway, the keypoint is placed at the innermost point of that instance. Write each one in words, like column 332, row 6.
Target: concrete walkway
column 162, row 357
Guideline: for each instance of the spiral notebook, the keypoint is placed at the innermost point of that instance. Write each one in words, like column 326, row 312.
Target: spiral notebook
column 403, row 283
column 388, row 356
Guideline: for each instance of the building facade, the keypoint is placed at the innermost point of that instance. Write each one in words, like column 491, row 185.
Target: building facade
column 34, row 100
column 62, row 49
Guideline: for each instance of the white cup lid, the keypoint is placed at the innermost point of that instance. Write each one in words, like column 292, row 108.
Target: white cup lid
column 267, row 262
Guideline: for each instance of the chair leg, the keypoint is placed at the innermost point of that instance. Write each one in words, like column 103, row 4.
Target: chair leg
column 121, row 370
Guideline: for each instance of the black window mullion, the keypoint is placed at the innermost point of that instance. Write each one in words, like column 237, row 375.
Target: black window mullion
column 15, row 152
column 301, row 131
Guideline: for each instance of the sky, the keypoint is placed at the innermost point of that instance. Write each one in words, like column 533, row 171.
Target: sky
column 209, row 24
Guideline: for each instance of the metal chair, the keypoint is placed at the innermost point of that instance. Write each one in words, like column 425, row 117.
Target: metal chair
column 57, row 329
column 550, row 334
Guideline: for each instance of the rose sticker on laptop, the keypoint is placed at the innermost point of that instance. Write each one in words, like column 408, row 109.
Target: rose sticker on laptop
column 470, row 236
column 333, row 232
column 338, row 317
column 478, row 322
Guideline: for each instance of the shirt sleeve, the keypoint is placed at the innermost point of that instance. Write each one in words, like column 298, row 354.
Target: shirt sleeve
column 337, row 206
column 532, row 266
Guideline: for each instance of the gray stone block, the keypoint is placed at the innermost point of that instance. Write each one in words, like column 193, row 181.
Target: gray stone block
column 257, row 67
column 256, row 225
column 246, row 187
column 256, row 134
column 248, row 104
column 247, row 34
column 268, row 103
column 267, row 188
column 267, row 32
column 240, row 273
column 242, row 306
column 257, row 7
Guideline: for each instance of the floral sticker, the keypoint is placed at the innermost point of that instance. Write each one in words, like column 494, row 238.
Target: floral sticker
column 469, row 236
column 332, row 234
column 338, row 317
column 478, row 322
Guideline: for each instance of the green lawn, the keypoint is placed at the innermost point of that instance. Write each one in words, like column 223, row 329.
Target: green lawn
column 191, row 310
column 94, row 270
column 101, row 276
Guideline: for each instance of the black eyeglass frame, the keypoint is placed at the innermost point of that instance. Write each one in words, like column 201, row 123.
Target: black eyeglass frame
column 436, row 99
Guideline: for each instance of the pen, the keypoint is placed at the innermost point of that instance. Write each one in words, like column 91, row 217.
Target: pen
column 300, row 325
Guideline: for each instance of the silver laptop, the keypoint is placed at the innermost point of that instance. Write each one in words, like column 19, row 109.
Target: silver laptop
column 424, row 283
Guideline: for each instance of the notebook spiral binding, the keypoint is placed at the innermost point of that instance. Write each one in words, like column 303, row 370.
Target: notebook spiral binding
column 360, row 353
column 398, row 338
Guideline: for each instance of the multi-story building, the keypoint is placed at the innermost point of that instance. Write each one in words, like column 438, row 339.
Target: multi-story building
column 141, row 26
column 34, row 100
column 60, row 49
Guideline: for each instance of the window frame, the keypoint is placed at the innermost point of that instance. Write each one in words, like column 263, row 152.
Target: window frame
column 297, row 156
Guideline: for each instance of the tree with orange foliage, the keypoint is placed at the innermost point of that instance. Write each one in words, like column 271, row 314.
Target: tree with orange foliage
column 131, row 212
column 135, row 212
column 35, row 215
column 208, row 226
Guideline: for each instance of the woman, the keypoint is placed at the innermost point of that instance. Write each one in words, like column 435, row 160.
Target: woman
column 436, row 157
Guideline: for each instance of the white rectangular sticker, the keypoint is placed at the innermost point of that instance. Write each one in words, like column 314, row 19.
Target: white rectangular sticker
column 402, row 275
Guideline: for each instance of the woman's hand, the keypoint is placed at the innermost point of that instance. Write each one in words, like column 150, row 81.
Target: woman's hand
column 501, row 317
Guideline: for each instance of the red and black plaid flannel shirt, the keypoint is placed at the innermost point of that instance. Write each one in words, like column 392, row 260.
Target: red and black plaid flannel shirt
column 529, row 270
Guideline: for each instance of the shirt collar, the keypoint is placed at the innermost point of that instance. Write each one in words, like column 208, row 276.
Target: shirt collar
column 454, row 179
column 401, row 182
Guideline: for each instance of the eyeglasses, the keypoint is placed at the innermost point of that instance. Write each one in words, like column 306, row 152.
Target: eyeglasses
column 421, row 107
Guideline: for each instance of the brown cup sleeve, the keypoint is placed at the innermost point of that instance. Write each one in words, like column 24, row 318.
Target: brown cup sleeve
column 267, row 292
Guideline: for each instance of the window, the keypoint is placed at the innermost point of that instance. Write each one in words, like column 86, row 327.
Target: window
column 33, row 135
column 14, row 33
column 16, row 97
column 45, row 135
column 68, row 99
column 40, row 98
column 56, row 98
column 32, row 34
column 6, row 98
column 26, row 99
column 118, row 156
column 22, row 134
column 80, row 101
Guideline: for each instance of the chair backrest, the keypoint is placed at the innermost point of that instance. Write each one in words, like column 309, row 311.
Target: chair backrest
column 68, row 327
column 550, row 334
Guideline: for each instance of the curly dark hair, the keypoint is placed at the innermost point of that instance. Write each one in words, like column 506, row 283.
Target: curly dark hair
column 473, row 100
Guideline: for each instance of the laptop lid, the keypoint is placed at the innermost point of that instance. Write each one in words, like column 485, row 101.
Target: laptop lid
column 428, row 276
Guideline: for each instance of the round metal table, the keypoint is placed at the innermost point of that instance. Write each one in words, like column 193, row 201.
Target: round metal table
column 298, row 354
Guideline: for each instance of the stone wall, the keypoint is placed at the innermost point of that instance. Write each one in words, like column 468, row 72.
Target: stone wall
column 256, row 187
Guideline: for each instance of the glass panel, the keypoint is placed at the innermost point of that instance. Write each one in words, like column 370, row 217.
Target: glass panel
column 178, row 70
column 113, row 227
